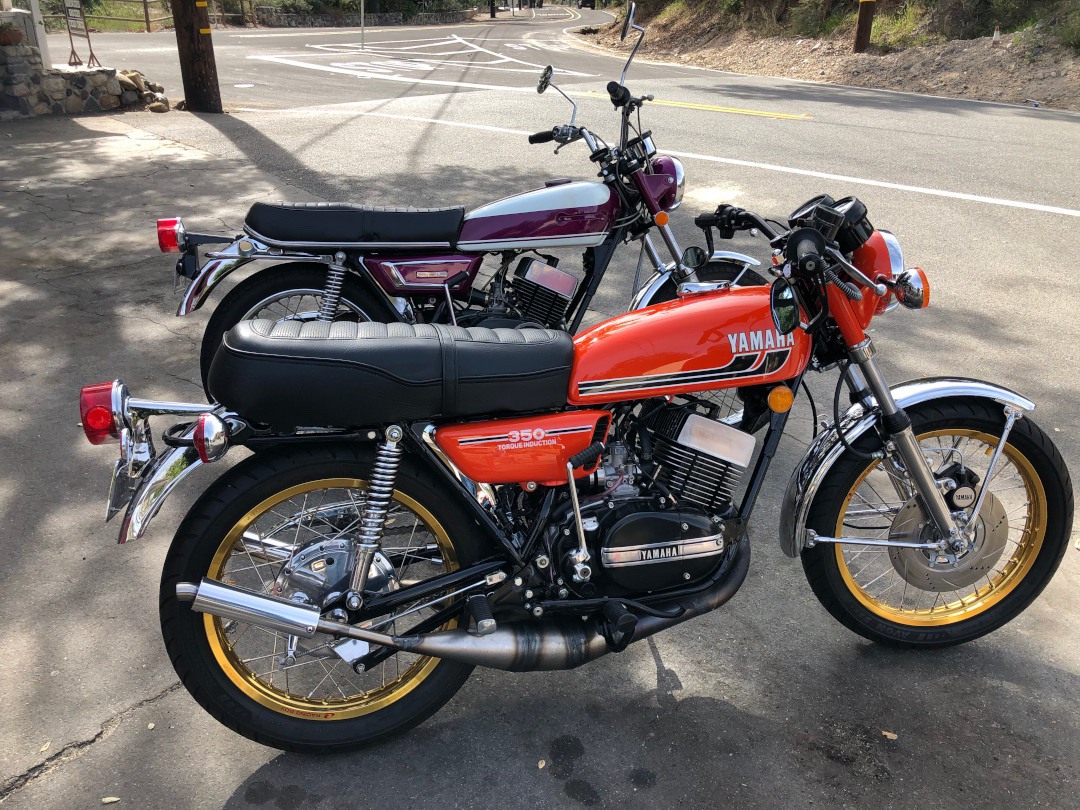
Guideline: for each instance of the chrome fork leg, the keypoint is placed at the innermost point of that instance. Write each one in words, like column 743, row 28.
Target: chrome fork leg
column 380, row 493
column 902, row 438
column 335, row 279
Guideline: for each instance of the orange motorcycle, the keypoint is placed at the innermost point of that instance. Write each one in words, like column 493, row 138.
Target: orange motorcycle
column 424, row 498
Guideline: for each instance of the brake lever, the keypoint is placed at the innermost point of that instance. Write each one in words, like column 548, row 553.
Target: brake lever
column 855, row 272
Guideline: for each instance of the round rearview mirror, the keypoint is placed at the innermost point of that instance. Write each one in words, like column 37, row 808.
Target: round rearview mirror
column 694, row 257
column 785, row 307
column 628, row 23
column 545, row 79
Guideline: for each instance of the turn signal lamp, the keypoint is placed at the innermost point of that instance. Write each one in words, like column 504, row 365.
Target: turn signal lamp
column 211, row 438
column 99, row 421
column 912, row 288
column 170, row 235
column 781, row 399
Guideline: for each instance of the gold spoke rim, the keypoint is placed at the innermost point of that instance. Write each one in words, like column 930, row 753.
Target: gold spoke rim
column 982, row 598
column 263, row 691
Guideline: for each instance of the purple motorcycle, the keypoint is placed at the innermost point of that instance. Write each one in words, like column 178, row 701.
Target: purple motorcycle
column 336, row 261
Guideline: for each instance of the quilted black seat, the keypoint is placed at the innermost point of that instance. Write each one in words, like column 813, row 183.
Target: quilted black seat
column 344, row 225
column 344, row 374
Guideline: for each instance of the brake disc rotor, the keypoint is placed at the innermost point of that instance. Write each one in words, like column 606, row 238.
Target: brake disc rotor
column 934, row 570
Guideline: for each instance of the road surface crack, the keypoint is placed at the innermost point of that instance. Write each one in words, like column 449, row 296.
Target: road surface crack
column 74, row 750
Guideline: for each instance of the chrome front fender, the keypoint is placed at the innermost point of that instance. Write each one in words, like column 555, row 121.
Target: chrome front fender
column 652, row 286
column 826, row 449
column 156, row 482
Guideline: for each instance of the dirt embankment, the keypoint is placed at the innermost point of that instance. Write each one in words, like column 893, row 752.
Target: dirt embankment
column 1023, row 69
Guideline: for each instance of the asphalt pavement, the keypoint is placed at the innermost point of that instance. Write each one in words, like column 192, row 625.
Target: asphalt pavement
column 767, row 702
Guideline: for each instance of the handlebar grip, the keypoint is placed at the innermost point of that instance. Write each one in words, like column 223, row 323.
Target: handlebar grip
column 804, row 248
column 542, row 137
column 618, row 94
column 587, row 456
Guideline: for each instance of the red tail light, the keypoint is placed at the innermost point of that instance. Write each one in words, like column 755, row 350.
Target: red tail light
column 170, row 235
column 100, row 422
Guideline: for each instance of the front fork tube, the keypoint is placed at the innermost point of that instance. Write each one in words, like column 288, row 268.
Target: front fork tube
column 897, row 426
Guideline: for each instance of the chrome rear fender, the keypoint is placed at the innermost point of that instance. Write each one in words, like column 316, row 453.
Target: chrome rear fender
column 827, row 449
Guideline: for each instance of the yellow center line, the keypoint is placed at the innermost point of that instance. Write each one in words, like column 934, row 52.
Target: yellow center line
column 707, row 107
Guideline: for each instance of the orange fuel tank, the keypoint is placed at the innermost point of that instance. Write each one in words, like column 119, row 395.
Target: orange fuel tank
column 720, row 339
column 523, row 449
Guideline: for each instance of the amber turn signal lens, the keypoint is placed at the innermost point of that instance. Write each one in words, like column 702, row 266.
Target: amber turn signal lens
column 781, row 399
column 661, row 219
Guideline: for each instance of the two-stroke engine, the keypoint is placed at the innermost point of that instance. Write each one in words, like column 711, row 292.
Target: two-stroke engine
column 657, row 512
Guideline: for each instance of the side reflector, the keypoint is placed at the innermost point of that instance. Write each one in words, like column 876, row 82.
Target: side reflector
column 170, row 235
column 99, row 423
column 662, row 219
column 781, row 399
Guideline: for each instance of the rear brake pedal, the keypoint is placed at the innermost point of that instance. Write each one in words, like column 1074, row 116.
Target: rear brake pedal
column 480, row 610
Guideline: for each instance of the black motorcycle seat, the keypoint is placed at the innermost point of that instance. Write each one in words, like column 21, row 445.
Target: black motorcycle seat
column 344, row 225
column 347, row 374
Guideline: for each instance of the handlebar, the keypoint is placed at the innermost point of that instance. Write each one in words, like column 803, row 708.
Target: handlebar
column 542, row 137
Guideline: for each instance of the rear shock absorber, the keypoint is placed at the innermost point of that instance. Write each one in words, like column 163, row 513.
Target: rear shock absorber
column 380, row 493
column 335, row 279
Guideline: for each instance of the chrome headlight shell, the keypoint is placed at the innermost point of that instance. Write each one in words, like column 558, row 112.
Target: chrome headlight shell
column 680, row 183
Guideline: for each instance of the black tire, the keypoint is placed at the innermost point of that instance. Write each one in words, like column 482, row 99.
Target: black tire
column 208, row 522
column 265, row 284
column 823, row 570
column 713, row 271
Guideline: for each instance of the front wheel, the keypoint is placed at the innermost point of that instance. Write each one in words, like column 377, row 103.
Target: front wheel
column 283, row 523
column 282, row 294
column 930, row 598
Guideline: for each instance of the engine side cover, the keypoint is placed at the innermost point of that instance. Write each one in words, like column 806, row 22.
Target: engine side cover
column 652, row 551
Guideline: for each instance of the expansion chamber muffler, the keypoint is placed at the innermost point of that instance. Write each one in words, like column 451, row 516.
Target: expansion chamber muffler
column 517, row 646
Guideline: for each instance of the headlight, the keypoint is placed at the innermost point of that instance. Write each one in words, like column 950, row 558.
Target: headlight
column 680, row 183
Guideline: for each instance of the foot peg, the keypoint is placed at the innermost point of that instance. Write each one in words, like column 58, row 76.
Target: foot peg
column 480, row 610
column 622, row 623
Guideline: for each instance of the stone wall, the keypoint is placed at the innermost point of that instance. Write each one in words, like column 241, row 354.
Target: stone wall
column 27, row 88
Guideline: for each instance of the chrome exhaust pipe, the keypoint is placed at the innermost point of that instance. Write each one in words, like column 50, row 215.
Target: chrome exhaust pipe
column 517, row 647
column 532, row 646
column 271, row 612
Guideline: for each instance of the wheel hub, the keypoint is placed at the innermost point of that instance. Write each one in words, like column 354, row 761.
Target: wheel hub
column 320, row 572
column 949, row 569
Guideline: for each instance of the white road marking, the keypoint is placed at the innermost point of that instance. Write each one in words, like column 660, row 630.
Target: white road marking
column 750, row 164
column 451, row 52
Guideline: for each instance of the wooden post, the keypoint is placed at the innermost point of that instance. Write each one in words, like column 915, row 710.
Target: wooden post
column 864, row 24
column 146, row 14
column 493, row 9
column 197, row 66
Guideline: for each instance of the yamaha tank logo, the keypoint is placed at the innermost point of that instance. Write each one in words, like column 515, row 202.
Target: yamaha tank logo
column 759, row 340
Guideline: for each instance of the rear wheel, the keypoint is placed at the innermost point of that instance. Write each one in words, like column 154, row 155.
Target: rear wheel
column 282, row 294
column 283, row 524
column 929, row 598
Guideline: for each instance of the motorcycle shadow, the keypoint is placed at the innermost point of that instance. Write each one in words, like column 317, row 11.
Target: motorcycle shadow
column 631, row 731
